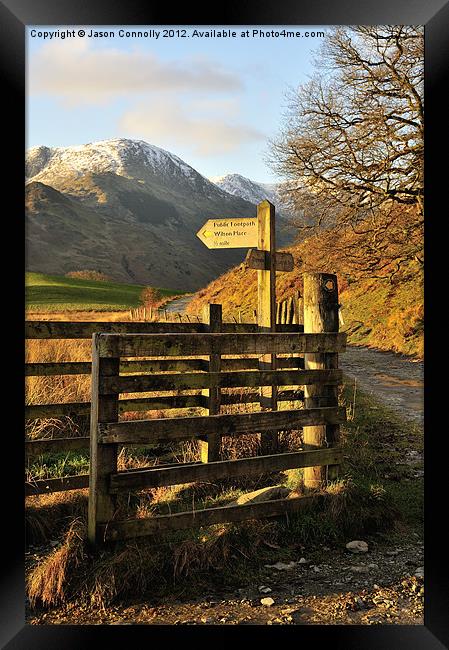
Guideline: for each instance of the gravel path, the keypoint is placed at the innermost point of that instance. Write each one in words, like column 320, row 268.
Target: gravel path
column 396, row 380
column 178, row 306
column 384, row 586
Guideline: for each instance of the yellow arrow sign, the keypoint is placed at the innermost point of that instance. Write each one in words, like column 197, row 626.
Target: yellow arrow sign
column 229, row 233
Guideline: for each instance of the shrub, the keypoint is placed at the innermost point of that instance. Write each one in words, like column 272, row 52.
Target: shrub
column 89, row 275
column 151, row 297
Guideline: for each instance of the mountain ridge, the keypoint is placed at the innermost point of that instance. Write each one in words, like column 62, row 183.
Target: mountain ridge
column 246, row 188
column 131, row 210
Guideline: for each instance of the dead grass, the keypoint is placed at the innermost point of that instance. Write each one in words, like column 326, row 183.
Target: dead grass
column 47, row 515
column 189, row 559
column 48, row 581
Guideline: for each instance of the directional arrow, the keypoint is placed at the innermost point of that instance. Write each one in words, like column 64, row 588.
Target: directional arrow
column 229, row 233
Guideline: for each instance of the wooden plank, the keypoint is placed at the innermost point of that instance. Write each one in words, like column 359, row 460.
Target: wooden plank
column 46, row 486
column 258, row 259
column 54, row 445
column 43, row 411
column 266, row 311
column 245, row 398
column 289, row 328
column 116, row 530
column 228, row 365
column 165, row 365
column 85, row 330
column 64, row 368
column 284, row 312
column 151, row 404
column 290, row 311
column 71, row 409
column 164, row 429
column 213, row 471
column 300, row 309
column 188, row 381
column 135, row 345
column 162, row 403
column 238, row 328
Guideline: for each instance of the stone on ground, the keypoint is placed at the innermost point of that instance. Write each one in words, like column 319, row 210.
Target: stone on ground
column 357, row 546
column 264, row 494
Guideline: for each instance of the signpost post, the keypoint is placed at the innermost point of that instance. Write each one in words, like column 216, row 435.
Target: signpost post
column 246, row 233
column 266, row 311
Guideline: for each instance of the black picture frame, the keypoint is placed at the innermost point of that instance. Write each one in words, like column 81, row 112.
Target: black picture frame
column 15, row 15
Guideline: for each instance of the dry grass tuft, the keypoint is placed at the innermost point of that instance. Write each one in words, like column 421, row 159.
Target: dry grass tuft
column 210, row 552
column 47, row 515
column 240, row 446
column 126, row 572
column 47, row 582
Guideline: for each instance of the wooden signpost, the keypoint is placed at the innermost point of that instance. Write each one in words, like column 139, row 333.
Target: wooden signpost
column 260, row 232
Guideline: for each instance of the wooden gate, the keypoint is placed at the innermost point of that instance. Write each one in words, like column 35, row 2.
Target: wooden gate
column 109, row 354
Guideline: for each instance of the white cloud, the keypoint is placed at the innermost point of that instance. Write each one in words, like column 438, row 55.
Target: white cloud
column 77, row 74
column 172, row 124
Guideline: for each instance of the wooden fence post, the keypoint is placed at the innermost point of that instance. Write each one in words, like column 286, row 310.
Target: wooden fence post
column 266, row 311
column 320, row 315
column 210, row 448
column 103, row 457
column 284, row 312
column 300, row 307
column 290, row 311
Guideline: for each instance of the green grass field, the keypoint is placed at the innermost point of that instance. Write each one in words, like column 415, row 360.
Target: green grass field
column 58, row 293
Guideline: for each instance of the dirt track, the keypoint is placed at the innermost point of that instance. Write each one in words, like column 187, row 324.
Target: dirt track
column 395, row 380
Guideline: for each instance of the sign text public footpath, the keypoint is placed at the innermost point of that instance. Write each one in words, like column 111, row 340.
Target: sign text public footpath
column 229, row 233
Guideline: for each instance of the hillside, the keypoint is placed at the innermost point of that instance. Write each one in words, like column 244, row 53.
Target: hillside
column 376, row 312
column 58, row 293
column 127, row 209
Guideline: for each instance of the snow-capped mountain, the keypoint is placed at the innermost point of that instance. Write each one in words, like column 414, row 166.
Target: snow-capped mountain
column 127, row 208
column 239, row 185
column 255, row 192
column 128, row 158
column 247, row 189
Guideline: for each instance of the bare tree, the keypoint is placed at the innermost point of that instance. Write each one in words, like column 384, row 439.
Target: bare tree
column 352, row 145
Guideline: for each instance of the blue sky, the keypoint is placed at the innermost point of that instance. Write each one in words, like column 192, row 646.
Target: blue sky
column 214, row 102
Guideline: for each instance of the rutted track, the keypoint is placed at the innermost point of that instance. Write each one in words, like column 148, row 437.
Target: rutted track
column 395, row 380
column 178, row 305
